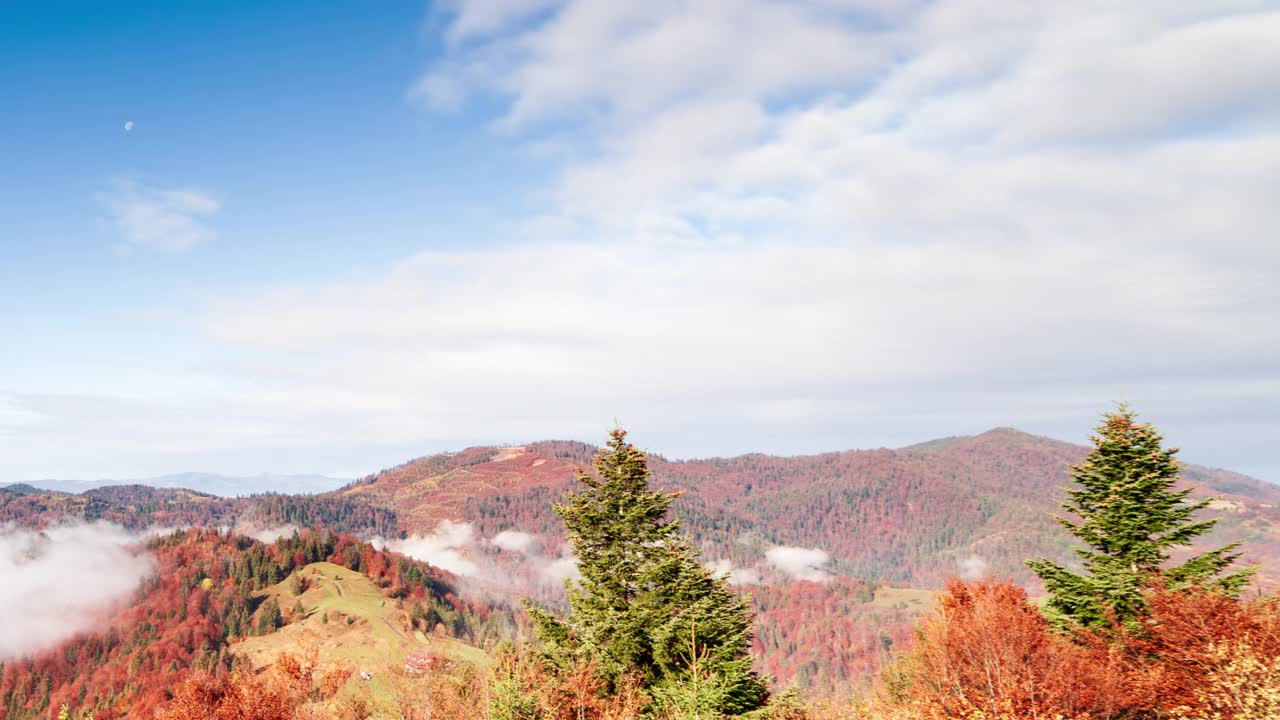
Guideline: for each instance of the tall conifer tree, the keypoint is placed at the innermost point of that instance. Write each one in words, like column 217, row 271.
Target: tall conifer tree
column 644, row 606
column 269, row 617
column 1130, row 517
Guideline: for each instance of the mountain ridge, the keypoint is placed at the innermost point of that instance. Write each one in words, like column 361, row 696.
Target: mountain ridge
column 223, row 486
column 235, row 486
column 908, row 515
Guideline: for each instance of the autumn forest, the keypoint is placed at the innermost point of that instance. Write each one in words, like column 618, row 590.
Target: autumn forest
column 1143, row 619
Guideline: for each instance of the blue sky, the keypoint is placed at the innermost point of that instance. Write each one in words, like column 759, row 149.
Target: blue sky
column 338, row 235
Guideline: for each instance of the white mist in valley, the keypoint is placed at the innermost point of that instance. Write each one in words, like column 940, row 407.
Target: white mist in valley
column 800, row 563
column 266, row 534
column 514, row 541
column 785, row 561
column 63, row 580
column 445, row 547
column 972, row 567
column 732, row 574
column 458, row 548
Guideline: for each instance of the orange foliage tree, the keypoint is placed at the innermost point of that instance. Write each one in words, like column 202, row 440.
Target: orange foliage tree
column 988, row 652
column 292, row 689
column 1185, row 654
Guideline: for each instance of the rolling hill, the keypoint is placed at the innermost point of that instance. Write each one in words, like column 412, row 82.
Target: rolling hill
column 966, row 505
column 207, row 605
column 349, row 621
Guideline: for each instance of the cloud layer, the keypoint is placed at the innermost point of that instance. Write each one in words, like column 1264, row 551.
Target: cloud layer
column 775, row 226
column 914, row 208
column 56, row 583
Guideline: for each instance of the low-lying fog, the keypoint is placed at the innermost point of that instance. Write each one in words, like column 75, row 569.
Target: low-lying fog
column 57, row 582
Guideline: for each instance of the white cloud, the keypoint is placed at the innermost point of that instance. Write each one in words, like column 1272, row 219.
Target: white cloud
column 735, row 575
column 800, row 563
column 13, row 417
column 880, row 123
column 171, row 220
column 972, row 567
column 265, row 534
column 557, row 570
column 514, row 541
column 761, row 326
column 445, row 548
column 56, row 583
column 456, row 547
column 553, row 570
column 634, row 59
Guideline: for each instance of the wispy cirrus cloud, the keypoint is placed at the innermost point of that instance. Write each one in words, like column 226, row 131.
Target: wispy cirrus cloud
column 151, row 218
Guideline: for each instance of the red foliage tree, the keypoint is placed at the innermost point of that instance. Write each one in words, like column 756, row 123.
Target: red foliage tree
column 290, row 690
column 1189, row 640
column 988, row 650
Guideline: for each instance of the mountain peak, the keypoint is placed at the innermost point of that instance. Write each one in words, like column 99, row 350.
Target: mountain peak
column 1007, row 430
column 1001, row 433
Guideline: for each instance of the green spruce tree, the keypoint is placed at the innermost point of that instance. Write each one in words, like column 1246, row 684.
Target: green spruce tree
column 269, row 617
column 644, row 606
column 1130, row 517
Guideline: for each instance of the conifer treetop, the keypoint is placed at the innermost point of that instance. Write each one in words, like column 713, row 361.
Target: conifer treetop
column 1130, row 514
column 644, row 607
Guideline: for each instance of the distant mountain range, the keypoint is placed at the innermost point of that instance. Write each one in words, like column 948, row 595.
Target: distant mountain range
column 838, row 550
column 226, row 486
column 911, row 515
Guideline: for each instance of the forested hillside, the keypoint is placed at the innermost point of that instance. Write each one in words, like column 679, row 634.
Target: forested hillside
column 205, row 595
column 913, row 516
column 133, row 506
column 971, row 506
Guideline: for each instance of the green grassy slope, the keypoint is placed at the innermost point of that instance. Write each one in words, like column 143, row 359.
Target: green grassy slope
column 366, row 631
